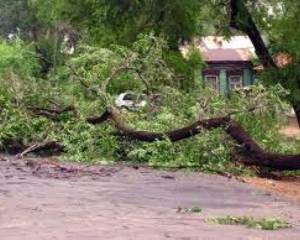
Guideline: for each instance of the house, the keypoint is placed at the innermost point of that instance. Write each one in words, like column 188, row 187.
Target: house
column 228, row 62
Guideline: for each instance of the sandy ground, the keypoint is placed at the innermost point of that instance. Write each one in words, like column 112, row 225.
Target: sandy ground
column 125, row 203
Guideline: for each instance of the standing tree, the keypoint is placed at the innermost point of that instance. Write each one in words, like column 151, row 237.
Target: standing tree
column 16, row 17
column 278, row 22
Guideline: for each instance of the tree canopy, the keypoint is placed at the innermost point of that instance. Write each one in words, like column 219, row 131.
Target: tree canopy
column 116, row 21
column 16, row 16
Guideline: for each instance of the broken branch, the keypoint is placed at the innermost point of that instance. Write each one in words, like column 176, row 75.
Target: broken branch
column 51, row 113
column 38, row 147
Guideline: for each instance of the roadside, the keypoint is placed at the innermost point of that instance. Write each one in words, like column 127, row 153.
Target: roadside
column 288, row 187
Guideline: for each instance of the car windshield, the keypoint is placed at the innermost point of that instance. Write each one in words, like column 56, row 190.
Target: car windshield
column 130, row 96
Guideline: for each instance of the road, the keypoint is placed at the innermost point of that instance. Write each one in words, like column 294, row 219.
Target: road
column 127, row 203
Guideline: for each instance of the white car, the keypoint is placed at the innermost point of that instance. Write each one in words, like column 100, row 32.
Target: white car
column 130, row 101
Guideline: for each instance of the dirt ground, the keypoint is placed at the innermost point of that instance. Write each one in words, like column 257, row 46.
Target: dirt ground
column 286, row 187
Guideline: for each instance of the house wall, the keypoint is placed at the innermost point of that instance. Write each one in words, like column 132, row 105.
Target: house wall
column 226, row 69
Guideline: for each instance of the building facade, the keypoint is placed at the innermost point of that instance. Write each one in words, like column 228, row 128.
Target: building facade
column 228, row 62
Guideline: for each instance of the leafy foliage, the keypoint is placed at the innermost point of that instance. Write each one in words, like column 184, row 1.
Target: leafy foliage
column 16, row 17
column 84, row 74
column 122, row 21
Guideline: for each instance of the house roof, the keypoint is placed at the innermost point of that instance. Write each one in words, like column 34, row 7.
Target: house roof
column 222, row 55
column 219, row 49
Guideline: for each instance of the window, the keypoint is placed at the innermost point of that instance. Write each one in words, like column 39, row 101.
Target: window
column 235, row 81
column 213, row 81
column 130, row 96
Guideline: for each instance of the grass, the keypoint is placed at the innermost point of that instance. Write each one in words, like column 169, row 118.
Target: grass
column 250, row 222
column 189, row 210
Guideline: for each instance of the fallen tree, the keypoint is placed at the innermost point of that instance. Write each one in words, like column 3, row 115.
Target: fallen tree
column 256, row 155
column 98, row 89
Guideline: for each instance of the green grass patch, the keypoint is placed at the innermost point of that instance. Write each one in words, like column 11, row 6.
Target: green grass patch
column 194, row 209
column 251, row 222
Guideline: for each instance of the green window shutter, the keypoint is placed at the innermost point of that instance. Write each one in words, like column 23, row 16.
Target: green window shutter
column 247, row 77
column 223, row 82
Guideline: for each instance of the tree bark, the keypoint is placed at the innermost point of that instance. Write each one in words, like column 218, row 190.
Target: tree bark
column 297, row 113
column 241, row 19
column 100, row 119
column 257, row 156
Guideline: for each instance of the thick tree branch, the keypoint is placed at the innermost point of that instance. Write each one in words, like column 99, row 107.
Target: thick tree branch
column 175, row 135
column 38, row 147
column 51, row 113
column 241, row 19
column 100, row 119
column 257, row 156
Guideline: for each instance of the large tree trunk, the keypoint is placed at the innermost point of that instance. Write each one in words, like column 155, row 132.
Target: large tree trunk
column 175, row 135
column 297, row 113
column 241, row 19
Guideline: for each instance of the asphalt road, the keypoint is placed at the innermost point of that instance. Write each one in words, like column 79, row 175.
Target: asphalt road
column 132, row 204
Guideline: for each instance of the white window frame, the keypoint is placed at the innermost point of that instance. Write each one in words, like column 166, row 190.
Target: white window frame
column 235, row 84
column 206, row 77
